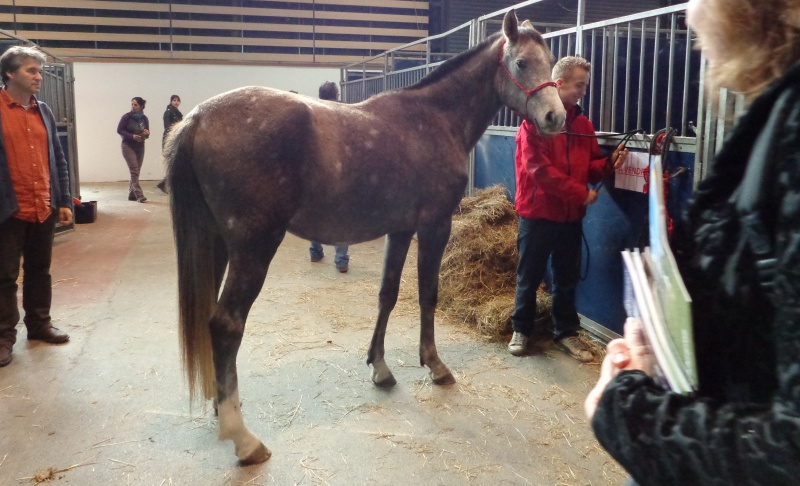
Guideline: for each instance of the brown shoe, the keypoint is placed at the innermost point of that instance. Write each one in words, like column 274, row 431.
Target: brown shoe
column 575, row 347
column 5, row 354
column 49, row 334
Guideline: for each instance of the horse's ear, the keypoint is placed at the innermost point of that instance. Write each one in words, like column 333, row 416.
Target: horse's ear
column 510, row 26
column 527, row 24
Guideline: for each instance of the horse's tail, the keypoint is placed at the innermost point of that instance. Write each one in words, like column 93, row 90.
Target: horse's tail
column 195, row 239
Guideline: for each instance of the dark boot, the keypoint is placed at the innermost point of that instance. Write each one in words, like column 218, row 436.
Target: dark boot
column 48, row 334
column 5, row 354
column 163, row 186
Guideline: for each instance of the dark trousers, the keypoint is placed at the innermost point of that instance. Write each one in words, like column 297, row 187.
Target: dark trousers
column 538, row 240
column 34, row 243
column 134, row 156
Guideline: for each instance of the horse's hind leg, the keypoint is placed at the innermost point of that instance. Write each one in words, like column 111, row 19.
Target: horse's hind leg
column 246, row 272
column 220, row 264
column 394, row 258
column 432, row 242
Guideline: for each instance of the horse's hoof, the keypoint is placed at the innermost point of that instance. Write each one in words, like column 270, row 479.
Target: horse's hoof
column 258, row 456
column 381, row 375
column 387, row 381
column 445, row 379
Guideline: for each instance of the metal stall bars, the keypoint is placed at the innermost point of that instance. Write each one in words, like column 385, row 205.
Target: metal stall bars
column 645, row 75
column 58, row 91
column 644, row 71
column 397, row 68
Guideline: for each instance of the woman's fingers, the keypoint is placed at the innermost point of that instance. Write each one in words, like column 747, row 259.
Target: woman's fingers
column 619, row 353
column 641, row 356
column 617, row 357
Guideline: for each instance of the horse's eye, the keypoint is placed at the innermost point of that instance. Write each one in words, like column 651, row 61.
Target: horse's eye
column 521, row 64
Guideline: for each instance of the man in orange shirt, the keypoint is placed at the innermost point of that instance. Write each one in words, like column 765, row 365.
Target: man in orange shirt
column 34, row 195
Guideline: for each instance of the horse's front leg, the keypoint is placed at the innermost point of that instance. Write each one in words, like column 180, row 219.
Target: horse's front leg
column 432, row 242
column 245, row 279
column 394, row 258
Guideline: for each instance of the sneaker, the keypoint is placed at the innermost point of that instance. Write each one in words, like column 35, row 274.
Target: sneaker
column 142, row 199
column 518, row 344
column 342, row 269
column 575, row 347
column 317, row 257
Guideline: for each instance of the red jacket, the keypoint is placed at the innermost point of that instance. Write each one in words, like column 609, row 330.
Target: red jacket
column 553, row 172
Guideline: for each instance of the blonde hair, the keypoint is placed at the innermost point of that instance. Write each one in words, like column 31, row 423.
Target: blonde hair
column 762, row 39
column 564, row 67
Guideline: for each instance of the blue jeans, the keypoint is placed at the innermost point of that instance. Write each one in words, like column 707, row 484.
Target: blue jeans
column 537, row 241
column 341, row 260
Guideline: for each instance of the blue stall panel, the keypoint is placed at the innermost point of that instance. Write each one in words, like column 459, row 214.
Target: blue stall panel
column 618, row 220
column 494, row 162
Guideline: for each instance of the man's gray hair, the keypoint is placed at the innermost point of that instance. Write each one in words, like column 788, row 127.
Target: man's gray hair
column 12, row 59
column 564, row 67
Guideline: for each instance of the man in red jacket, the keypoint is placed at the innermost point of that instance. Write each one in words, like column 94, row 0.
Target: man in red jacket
column 553, row 174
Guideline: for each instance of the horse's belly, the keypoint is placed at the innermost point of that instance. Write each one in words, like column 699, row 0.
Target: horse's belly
column 351, row 225
column 339, row 214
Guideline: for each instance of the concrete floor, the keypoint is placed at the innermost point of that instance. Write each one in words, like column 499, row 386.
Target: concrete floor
column 113, row 401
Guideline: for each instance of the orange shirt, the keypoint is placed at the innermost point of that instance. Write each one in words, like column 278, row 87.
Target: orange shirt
column 27, row 151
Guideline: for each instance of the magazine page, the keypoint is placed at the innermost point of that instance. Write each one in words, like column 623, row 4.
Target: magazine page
column 641, row 303
column 635, row 306
column 655, row 293
column 671, row 295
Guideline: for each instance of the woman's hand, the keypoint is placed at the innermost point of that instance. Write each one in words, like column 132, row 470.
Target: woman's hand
column 146, row 133
column 630, row 353
column 640, row 354
column 137, row 138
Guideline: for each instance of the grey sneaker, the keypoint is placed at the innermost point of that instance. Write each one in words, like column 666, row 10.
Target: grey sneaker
column 518, row 344
column 575, row 347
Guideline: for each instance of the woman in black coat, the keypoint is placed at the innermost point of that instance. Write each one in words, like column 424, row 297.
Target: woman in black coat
column 172, row 116
column 739, row 252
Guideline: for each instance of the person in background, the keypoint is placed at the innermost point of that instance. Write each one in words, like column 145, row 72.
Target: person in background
column 329, row 91
column 34, row 195
column 172, row 116
column 552, row 175
column 742, row 270
column 134, row 128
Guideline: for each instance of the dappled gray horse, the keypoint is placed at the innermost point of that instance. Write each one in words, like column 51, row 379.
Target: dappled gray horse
column 249, row 165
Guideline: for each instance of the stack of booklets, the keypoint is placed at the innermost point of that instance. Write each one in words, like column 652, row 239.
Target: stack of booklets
column 656, row 295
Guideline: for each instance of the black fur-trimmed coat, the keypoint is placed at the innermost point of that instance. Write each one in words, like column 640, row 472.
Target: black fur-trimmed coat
column 743, row 425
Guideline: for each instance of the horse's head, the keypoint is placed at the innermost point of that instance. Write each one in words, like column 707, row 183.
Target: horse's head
column 524, row 81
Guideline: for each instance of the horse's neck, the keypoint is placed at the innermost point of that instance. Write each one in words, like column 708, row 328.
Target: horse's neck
column 465, row 97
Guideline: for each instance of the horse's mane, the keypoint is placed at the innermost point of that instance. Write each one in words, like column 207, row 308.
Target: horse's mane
column 453, row 64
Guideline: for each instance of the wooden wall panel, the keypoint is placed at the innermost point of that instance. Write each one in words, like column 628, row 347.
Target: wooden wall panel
column 293, row 31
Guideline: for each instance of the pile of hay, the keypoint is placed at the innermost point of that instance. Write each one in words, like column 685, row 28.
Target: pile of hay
column 479, row 268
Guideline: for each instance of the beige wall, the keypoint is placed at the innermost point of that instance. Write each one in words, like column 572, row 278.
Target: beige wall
column 103, row 92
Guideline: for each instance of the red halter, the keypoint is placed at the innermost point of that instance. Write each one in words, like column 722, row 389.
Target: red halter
column 529, row 92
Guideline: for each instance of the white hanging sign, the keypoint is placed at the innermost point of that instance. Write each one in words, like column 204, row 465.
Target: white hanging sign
column 631, row 175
